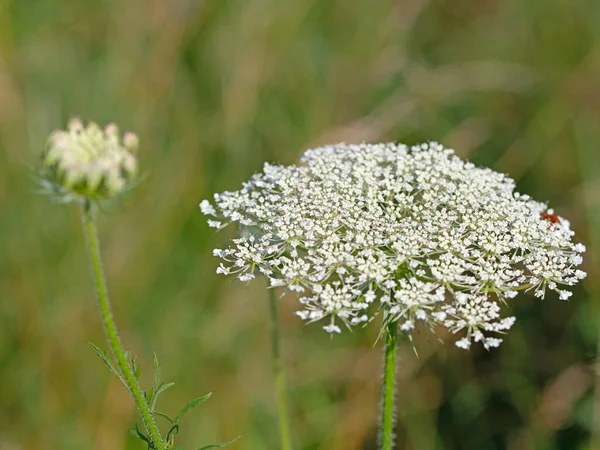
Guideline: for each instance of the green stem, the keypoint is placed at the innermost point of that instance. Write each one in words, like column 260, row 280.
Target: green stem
column 595, row 438
column 284, row 427
column 89, row 227
column 386, row 432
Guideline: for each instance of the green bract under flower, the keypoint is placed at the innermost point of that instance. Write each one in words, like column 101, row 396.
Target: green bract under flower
column 415, row 233
column 89, row 162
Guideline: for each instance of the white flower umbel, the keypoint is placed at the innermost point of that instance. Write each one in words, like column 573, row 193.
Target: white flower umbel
column 414, row 232
column 89, row 162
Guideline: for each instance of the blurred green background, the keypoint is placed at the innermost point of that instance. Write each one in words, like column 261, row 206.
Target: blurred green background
column 214, row 88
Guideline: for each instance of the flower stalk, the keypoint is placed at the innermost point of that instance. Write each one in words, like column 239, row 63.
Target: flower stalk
column 386, row 431
column 87, row 165
column 413, row 233
column 110, row 327
column 280, row 390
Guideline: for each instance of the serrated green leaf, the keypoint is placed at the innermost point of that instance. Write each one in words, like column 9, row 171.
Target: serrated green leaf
column 156, row 373
column 103, row 356
column 162, row 388
column 131, row 359
column 138, row 434
column 106, row 359
column 148, row 396
column 191, row 405
column 224, row 444
column 135, row 367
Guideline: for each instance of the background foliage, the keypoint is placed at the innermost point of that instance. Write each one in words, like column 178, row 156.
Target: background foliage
column 214, row 88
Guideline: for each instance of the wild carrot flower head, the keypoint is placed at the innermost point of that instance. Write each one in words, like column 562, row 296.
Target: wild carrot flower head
column 89, row 161
column 415, row 233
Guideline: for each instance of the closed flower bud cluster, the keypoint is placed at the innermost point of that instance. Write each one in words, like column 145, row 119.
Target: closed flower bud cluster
column 415, row 233
column 89, row 161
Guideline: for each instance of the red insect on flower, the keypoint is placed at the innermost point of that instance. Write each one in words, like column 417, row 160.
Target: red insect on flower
column 551, row 218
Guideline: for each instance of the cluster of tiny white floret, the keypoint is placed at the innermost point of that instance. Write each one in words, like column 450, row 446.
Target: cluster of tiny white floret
column 88, row 161
column 415, row 233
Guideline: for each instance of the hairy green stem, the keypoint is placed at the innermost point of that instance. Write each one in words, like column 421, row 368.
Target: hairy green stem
column 112, row 334
column 386, row 431
column 595, row 435
column 587, row 135
column 284, row 427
